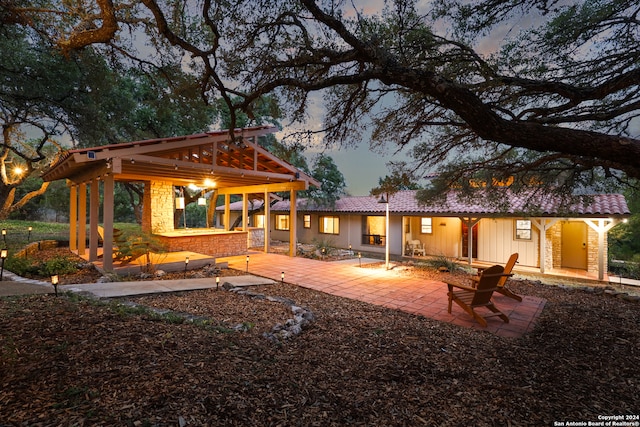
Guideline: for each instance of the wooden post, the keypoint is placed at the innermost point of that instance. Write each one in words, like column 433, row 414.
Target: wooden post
column 267, row 222
column 94, row 201
column 73, row 217
column 82, row 219
column 293, row 247
column 107, row 216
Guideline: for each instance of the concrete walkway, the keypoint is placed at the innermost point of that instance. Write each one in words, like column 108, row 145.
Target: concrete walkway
column 372, row 284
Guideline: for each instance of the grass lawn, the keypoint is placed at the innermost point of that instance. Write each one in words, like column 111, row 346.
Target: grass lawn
column 18, row 232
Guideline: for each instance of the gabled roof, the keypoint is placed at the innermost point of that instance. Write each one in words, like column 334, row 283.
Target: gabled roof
column 404, row 202
column 182, row 160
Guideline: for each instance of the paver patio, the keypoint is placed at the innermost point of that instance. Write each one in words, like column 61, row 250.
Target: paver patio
column 388, row 288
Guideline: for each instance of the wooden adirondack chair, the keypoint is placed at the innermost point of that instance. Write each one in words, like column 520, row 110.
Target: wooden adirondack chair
column 471, row 298
column 502, row 289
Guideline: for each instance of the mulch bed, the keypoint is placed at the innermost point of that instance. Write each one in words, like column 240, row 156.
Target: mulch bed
column 73, row 361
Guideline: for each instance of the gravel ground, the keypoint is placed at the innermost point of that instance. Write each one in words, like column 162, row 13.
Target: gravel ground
column 72, row 361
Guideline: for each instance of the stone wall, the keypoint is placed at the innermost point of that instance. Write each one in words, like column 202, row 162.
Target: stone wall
column 255, row 238
column 553, row 257
column 216, row 245
column 592, row 251
column 32, row 248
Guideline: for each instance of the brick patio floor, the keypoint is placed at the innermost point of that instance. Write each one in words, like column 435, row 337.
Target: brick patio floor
column 388, row 288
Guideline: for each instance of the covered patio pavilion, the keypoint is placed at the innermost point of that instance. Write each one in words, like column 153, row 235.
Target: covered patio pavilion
column 222, row 162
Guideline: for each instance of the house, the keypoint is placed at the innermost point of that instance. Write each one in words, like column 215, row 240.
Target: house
column 556, row 236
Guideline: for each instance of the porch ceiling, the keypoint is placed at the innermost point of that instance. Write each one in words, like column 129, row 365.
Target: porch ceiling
column 200, row 159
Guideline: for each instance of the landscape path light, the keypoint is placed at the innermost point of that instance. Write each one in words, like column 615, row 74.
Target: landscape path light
column 3, row 256
column 54, row 282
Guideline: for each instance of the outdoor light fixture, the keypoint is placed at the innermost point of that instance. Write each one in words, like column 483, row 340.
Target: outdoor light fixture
column 186, row 264
column 247, row 263
column 54, row 282
column 180, row 201
column 29, row 235
column 4, row 235
column 386, row 237
column 282, row 277
column 202, row 201
column 3, row 255
column 217, row 282
column 360, row 259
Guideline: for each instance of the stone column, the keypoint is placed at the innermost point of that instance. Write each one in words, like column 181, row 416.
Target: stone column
column 161, row 203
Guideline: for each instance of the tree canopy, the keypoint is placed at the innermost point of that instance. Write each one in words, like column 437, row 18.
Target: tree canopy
column 556, row 102
column 49, row 100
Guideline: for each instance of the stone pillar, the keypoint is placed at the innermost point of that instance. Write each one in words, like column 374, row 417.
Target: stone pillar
column 158, row 205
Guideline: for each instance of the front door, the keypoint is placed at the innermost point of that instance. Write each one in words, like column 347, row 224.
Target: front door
column 574, row 245
column 465, row 240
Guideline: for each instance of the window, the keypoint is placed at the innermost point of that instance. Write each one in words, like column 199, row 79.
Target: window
column 426, row 225
column 329, row 225
column 373, row 230
column 282, row 222
column 523, row 229
column 258, row 221
column 306, row 221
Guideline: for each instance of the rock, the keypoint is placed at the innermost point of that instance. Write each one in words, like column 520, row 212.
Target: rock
column 160, row 273
column 108, row 278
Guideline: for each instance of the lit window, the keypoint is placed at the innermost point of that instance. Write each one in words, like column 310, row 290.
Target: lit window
column 329, row 225
column 373, row 230
column 258, row 221
column 306, row 221
column 426, row 225
column 282, row 222
column 523, row 229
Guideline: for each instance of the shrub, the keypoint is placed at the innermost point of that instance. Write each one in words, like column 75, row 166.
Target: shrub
column 440, row 261
column 21, row 266
column 58, row 265
column 326, row 244
column 33, row 267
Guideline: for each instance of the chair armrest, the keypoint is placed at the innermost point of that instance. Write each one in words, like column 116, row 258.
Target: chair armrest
column 451, row 285
column 498, row 275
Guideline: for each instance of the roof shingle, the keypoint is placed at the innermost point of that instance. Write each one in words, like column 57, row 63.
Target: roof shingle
column 405, row 202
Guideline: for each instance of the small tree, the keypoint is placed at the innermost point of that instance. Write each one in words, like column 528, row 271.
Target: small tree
column 332, row 183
